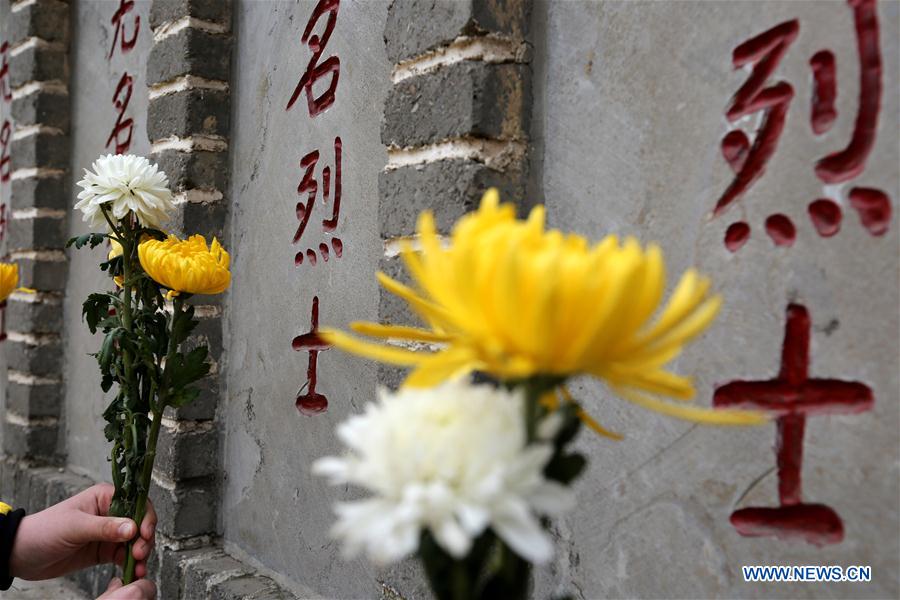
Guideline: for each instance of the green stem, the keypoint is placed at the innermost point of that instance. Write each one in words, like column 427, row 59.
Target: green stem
column 150, row 456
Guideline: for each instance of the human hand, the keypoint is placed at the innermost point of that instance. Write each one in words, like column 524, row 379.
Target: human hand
column 77, row 533
column 142, row 589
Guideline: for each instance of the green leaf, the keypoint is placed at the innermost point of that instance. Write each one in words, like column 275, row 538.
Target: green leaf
column 564, row 468
column 94, row 239
column 95, row 308
column 182, row 397
column 184, row 323
column 185, row 369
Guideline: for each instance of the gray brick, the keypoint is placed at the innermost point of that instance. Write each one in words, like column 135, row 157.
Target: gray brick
column 43, row 275
column 416, row 26
column 45, row 192
column 38, row 63
column 208, row 333
column 468, row 98
column 42, row 360
column 205, row 219
column 167, row 567
column 40, row 489
column 216, row 11
column 29, row 441
column 37, row 233
column 35, row 317
column 450, row 188
column 392, row 309
column 190, row 52
column 186, row 511
column 189, row 170
column 64, row 485
column 41, row 150
column 250, row 587
column 189, row 112
column 42, row 108
column 46, row 19
column 203, row 407
column 32, row 401
column 197, row 576
column 187, row 454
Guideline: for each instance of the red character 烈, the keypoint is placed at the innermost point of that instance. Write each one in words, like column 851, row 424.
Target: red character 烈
column 331, row 191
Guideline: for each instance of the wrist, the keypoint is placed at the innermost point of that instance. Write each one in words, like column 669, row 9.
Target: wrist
column 13, row 540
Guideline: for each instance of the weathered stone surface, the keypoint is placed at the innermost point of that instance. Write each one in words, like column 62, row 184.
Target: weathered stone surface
column 43, row 275
column 38, row 233
column 458, row 184
column 214, row 11
column 43, row 192
column 198, row 169
column 38, row 63
column 44, row 359
column 45, row 150
column 186, row 511
column 35, row 317
column 466, row 99
column 197, row 577
column 44, row 19
column 41, row 107
column 207, row 219
column 416, row 26
column 189, row 112
column 38, row 400
column 190, row 51
column 187, row 454
column 204, row 406
column 35, row 441
column 250, row 587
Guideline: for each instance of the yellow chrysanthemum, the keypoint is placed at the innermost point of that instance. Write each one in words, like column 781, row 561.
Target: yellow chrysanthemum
column 186, row 266
column 9, row 279
column 115, row 249
column 511, row 299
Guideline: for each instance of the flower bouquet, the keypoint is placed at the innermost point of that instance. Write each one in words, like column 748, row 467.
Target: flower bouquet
column 466, row 476
column 143, row 352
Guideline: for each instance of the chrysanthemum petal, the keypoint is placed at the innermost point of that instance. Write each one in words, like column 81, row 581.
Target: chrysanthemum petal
column 694, row 414
column 379, row 352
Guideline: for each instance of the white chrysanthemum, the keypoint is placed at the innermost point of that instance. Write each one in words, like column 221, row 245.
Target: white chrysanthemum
column 452, row 459
column 125, row 183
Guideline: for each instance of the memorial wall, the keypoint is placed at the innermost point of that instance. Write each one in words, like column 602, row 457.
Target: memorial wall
column 754, row 141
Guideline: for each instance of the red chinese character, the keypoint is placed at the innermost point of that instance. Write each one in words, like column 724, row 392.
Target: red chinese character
column 311, row 402
column 125, row 7
column 3, row 221
column 792, row 397
column 314, row 69
column 121, row 98
column 3, row 321
column 5, row 161
column 764, row 52
column 851, row 161
column 310, row 187
column 5, row 88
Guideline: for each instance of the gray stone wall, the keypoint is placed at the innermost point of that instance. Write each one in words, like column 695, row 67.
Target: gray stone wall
column 630, row 107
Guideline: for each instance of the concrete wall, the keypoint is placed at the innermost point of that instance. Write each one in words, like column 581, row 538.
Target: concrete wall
column 95, row 76
column 273, row 508
column 630, row 103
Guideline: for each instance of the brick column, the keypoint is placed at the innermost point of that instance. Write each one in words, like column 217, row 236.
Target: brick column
column 39, row 76
column 188, row 72
column 455, row 122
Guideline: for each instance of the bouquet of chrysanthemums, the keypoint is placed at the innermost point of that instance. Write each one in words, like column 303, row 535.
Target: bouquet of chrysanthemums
column 466, row 475
column 145, row 319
